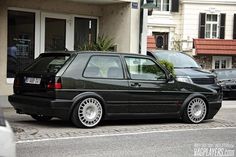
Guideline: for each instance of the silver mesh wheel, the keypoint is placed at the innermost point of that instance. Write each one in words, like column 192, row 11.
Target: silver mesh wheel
column 196, row 110
column 90, row 112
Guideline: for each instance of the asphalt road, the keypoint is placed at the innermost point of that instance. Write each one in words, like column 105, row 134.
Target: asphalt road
column 172, row 143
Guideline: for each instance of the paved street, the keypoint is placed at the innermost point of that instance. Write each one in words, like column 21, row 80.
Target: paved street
column 122, row 138
column 177, row 143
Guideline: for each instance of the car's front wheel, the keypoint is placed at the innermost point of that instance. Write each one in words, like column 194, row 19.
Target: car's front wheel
column 87, row 113
column 195, row 111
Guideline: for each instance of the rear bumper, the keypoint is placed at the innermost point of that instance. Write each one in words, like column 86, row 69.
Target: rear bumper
column 213, row 108
column 41, row 106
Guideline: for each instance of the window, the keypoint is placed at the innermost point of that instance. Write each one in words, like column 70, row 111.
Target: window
column 48, row 64
column 211, row 26
column 163, row 5
column 104, row 67
column 85, row 32
column 55, row 34
column 144, row 69
column 222, row 62
column 21, row 36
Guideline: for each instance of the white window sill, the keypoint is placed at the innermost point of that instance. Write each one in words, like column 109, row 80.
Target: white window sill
column 161, row 12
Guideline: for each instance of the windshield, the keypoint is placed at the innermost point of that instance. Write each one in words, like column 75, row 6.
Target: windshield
column 179, row 60
column 47, row 64
column 226, row 74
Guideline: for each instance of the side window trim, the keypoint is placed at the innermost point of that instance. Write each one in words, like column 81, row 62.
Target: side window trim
column 144, row 80
column 96, row 55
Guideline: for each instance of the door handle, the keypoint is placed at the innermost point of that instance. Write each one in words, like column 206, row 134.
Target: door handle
column 136, row 84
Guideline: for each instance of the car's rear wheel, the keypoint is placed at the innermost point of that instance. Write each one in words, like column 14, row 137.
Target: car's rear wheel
column 41, row 118
column 195, row 111
column 87, row 113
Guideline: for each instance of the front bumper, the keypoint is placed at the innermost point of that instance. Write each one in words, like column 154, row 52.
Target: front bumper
column 41, row 106
column 213, row 108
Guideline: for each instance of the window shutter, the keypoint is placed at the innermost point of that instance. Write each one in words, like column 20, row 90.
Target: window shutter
column 175, row 6
column 234, row 30
column 222, row 26
column 202, row 22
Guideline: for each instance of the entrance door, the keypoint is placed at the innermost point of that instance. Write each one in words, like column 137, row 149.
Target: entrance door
column 56, row 32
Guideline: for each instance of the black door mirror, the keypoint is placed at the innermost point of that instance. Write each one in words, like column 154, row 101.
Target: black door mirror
column 170, row 78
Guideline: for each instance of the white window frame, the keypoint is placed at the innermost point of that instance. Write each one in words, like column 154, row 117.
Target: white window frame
column 211, row 26
column 162, row 6
column 221, row 58
column 37, row 33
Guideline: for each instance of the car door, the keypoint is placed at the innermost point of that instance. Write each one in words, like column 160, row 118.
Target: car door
column 104, row 75
column 149, row 88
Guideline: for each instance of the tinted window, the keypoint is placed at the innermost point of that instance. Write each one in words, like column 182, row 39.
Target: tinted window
column 104, row 67
column 179, row 60
column 49, row 64
column 144, row 69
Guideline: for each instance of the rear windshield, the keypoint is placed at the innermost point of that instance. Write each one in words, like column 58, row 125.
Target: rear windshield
column 48, row 64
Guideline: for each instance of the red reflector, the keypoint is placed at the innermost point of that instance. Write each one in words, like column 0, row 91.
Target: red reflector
column 54, row 85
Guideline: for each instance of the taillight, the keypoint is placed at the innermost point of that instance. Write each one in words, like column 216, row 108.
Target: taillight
column 55, row 85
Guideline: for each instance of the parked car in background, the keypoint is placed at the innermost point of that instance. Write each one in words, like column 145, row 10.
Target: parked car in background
column 7, row 138
column 186, row 68
column 227, row 79
column 87, row 87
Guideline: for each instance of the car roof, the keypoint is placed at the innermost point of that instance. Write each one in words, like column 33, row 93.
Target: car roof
column 92, row 52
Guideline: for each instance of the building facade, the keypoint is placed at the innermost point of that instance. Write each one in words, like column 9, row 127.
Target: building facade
column 28, row 28
column 205, row 29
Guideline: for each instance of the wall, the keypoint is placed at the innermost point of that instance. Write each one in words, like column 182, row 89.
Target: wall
column 191, row 18
column 4, row 87
column 115, row 23
column 57, row 6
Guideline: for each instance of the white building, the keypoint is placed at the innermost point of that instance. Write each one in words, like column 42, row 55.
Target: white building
column 31, row 27
column 204, row 28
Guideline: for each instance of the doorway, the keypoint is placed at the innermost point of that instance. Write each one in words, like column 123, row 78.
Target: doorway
column 161, row 40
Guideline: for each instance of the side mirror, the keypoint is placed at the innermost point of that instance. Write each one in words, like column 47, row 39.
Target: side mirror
column 170, row 78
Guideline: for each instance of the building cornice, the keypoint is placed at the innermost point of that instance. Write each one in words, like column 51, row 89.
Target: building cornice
column 221, row 2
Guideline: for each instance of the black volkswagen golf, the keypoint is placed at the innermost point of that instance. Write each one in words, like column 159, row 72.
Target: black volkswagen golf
column 87, row 87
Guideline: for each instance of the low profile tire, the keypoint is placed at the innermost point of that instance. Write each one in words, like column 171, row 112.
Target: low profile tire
column 41, row 118
column 87, row 113
column 195, row 111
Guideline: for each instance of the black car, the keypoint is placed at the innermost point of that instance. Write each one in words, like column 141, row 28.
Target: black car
column 227, row 79
column 86, row 87
column 186, row 68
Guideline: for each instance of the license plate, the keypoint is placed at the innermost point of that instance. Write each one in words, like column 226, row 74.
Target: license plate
column 32, row 80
